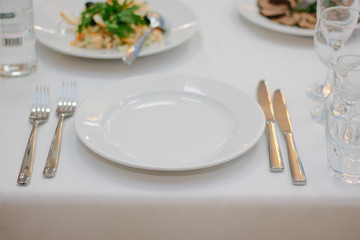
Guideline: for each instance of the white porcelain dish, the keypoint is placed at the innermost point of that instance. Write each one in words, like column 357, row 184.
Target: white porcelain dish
column 250, row 11
column 56, row 33
column 169, row 122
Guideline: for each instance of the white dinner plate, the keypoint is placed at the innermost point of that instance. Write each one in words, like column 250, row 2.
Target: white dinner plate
column 169, row 122
column 56, row 33
column 250, row 11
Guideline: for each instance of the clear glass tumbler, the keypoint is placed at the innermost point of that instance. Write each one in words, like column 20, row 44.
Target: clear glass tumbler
column 342, row 121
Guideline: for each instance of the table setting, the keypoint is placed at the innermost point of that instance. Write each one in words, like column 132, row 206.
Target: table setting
column 204, row 129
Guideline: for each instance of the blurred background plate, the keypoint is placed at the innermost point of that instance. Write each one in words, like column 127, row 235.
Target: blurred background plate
column 250, row 11
column 56, row 33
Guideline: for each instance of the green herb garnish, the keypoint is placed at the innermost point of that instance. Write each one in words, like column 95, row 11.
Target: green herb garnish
column 117, row 18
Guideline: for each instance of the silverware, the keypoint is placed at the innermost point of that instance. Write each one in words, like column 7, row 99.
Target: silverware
column 264, row 99
column 156, row 21
column 283, row 119
column 304, row 4
column 66, row 108
column 39, row 114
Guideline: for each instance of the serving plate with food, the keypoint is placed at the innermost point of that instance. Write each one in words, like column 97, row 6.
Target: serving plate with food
column 106, row 29
column 279, row 16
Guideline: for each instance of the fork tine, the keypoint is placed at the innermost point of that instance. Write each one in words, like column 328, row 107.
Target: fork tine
column 43, row 96
column 43, row 99
column 68, row 93
column 73, row 93
column 38, row 101
column 72, row 90
column 47, row 101
column 64, row 93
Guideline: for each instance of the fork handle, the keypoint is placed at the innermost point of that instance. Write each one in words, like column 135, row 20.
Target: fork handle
column 54, row 152
column 134, row 50
column 28, row 160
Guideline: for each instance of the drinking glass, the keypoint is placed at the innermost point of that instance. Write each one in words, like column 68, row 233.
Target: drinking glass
column 342, row 121
column 319, row 90
column 343, row 140
column 337, row 33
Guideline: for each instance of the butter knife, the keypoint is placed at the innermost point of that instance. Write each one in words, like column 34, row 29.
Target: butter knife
column 282, row 116
column 264, row 99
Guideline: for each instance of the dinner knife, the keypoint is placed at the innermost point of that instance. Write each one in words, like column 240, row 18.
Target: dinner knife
column 283, row 119
column 264, row 99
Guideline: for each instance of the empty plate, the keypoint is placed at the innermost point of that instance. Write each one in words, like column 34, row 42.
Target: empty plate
column 169, row 122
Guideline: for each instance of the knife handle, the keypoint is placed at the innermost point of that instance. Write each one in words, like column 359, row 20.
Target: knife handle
column 276, row 162
column 296, row 168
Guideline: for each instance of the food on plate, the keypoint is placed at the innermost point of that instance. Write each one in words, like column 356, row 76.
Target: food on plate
column 285, row 12
column 113, row 24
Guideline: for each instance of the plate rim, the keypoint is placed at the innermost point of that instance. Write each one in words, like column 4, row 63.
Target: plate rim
column 196, row 166
column 254, row 17
column 68, row 50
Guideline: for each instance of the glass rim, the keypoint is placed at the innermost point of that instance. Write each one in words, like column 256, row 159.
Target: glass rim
column 335, row 24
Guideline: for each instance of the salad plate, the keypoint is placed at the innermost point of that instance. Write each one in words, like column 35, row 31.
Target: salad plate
column 169, row 122
column 250, row 11
column 54, row 32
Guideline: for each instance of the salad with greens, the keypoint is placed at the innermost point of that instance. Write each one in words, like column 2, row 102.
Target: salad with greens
column 111, row 24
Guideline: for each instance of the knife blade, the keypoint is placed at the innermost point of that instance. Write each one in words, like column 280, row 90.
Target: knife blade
column 283, row 119
column 264, row 99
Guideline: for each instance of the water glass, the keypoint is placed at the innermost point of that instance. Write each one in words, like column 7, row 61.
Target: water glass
column 337, row 33
column 342, row 120
column 343, row 140
column 17, row 38
column 318, row 91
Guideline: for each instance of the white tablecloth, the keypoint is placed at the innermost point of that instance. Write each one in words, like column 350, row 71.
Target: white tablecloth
column 94, row 198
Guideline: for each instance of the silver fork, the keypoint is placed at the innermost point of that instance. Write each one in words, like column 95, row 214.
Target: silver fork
column 304, row 4
column 39, row 114
column 66, row 108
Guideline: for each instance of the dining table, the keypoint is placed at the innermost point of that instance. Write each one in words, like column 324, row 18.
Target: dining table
column 92, row 197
